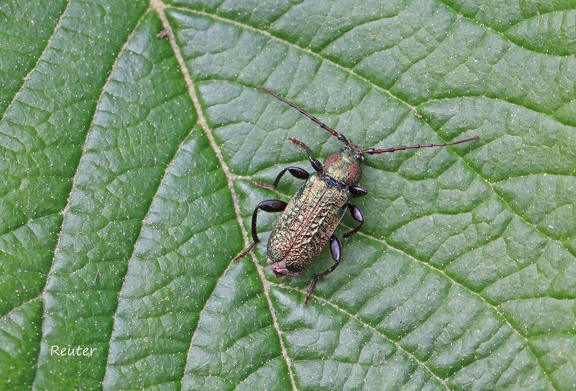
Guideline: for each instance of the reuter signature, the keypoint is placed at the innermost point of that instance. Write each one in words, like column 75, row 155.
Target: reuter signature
column 56, row 350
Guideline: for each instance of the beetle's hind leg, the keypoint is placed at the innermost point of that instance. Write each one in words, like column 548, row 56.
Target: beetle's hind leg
column 336, row 249
column 269, row 206
column 336, row 252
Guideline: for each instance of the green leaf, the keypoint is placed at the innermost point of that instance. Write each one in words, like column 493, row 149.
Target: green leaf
column 127, row 162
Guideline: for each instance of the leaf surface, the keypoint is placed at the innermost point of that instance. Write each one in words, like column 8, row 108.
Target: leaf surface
column 127, row 165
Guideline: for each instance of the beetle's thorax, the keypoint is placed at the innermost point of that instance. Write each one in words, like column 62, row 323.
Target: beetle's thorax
column 345, row 166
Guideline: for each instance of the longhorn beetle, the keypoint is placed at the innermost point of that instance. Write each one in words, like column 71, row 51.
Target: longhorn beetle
column 309, row 219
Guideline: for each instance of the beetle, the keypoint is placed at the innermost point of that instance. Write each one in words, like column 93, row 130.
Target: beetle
column 309, row 219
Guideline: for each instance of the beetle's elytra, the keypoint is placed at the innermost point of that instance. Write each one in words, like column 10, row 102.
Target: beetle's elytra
column 309, row 219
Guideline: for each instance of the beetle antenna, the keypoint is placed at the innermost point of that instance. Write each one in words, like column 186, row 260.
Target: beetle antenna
column 372, row 151
column 340, row 137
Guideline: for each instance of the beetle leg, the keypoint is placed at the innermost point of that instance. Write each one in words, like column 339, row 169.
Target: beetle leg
column 336, row 252
column 356, row 215
column 296, row 172
column 357, row 191
column 313, row 161
column 269, row 206
column 336, row 249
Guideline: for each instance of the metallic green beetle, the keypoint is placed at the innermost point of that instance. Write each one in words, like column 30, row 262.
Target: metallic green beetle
column 308, row 221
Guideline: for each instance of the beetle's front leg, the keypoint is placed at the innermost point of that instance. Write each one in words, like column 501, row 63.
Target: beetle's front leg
column 313, row 161
column 336, row 249
column 269, row 206
column 296, row 172
column 357, row 191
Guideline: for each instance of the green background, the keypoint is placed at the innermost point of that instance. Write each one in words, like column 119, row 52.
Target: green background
column 125, row 192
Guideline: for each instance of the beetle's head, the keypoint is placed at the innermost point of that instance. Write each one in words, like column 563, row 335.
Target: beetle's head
column 345, row 166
